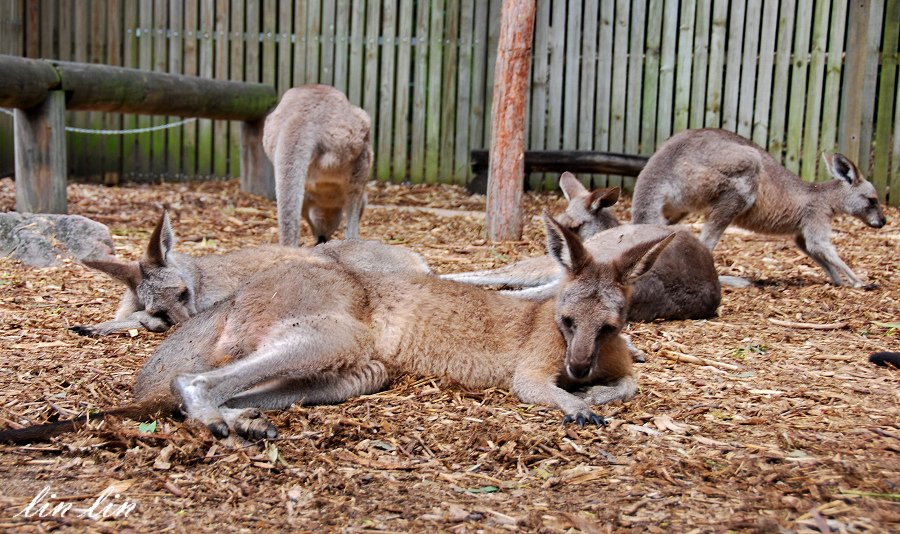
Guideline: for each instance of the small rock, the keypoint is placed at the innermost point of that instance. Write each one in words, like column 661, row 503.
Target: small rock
column 44, row 240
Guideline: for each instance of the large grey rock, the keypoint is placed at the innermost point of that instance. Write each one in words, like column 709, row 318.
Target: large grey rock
column 41, row 240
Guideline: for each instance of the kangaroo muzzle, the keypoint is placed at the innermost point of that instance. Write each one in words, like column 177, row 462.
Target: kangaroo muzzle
column 580, row 356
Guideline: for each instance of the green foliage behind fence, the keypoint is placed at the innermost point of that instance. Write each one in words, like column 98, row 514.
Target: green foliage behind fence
column 797, row 76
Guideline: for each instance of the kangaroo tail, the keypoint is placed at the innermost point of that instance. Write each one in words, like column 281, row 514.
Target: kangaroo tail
column 43, row 432
column 886, row 359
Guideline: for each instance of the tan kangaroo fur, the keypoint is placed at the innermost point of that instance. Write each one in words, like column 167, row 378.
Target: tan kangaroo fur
column 319, row 145
column 735, row 181
column 324, row 333
column 165, row 287
column 682, row 284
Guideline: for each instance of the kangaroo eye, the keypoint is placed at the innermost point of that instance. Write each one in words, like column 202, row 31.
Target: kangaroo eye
column 873, row 202
column 605, row 330
column 567, row 323
column 183, row 296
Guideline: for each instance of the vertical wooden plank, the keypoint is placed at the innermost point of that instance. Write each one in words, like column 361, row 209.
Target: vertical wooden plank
column 733, row 65
column 810, row 159
column 341, row 44
column 635, row 84
column 716, row 64
column 700, row 64
column 66, row 16
column 603, row 108
column 479, row 73
column 854, row 80
column 252, row 44
column 667, row 72
column 894, row 198
column 370, row 87
column 649, row 98
column 130, row 59
column 448, row 90
column 588, row 89
column 833, row 69
column 327, row 43
column 143, row 141
column 798, row 88
column 684, row 66
column 176, row 66
column 572, row 75
column 33, row 29
column 493, row 32
column 257, row 173
column 619, row 81
column 886, row 117
column 433, row 105
column 557, row 64
column 236, row 42
column 870, row 84
column 160, row 64
column 191, row 68
column 40, row 147
column 11, row 41
column 461, row 168
column 420, row 86
column 760, row 130
column 220, row 71
column 782, row 77
column 386, row 91
column 95, row 143
column 269, row 30
column 205, row 126
column 746, row 100
column 314, row 41
column 357, row 39
column 301, row 40
column 48, row 27
column 402, row 91
column 285, row 46
column 112, row 169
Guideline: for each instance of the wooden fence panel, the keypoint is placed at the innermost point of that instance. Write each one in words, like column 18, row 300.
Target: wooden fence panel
column 797, row 76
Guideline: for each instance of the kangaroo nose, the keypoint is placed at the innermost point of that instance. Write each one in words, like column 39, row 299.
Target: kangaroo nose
column 578, row 371
column 322, row 239
column 880, row 222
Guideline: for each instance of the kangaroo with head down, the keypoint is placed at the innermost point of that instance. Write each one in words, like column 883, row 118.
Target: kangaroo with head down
column 166, row 287
column 682, row 284
column 319, row 145
column 334, row 332
column 735, row 181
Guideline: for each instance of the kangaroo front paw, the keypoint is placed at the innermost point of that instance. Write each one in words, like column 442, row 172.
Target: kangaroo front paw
column 83, row 330
column 582, row 418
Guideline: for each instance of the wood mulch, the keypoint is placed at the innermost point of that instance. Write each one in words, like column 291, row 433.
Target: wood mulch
column 795, row 432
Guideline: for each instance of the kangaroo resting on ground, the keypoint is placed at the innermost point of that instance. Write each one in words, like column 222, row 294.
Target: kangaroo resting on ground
column 334, row 332
column 735, row 180
column 165, row 287
column 319, row 145
column 682, row 284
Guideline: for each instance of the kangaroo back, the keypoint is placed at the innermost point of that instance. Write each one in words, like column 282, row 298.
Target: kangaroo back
column 320, row 147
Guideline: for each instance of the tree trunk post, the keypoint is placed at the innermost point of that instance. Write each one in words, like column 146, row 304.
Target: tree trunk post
column 257, row 172
column 40, row 153
column 507, row 164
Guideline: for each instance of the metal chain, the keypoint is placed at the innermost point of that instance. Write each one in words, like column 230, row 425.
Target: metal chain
column 121, row 132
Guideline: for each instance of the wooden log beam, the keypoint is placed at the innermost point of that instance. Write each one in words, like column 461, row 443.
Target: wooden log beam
column 40, row 151
column 507, row 167
column 25, row 82
column 257, row 172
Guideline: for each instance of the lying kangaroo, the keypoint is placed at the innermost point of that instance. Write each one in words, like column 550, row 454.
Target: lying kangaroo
column 165, row 287
column 319, row 145
column 334, row 332
column 683, row 283
column 734, row 180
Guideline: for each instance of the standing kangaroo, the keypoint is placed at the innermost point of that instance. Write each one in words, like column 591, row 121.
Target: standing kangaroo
column 682, row 284
column 735, row 180
column 319, row 145
column 325, row 333
column 165, row 287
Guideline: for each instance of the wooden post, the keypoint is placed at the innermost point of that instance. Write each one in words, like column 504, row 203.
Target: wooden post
column 507, row 165
column 40, row 148
column 257, row 173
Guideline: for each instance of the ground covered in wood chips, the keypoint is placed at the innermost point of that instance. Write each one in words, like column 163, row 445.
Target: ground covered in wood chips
column 787, row 429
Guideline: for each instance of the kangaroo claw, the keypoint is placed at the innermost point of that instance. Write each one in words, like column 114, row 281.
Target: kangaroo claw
column 219, row 429
column 82, row 330
column 581, row 419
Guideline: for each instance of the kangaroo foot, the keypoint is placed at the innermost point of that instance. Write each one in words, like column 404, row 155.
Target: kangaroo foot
column 583, row 417
column 192, row 391
column 250, row 424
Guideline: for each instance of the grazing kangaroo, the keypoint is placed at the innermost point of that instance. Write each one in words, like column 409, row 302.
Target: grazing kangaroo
column 165, row 287
column 324, row 333
column 319, row 145
column 736, row 181
column 682, row 284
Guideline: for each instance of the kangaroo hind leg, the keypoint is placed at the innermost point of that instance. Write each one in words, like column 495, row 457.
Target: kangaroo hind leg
column 295, row 354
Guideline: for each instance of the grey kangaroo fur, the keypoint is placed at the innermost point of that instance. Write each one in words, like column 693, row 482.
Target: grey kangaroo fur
column 166, row 287
column 325, row 333
column 320, row 148
column 682, row 284
column 735, row 181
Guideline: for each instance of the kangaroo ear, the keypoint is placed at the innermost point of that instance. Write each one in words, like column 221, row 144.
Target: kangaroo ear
column 565, row 247
column 129, row 273
column 570, row 186
column 161, row 242
column 639, row 259
column 841, row 167
column 602, row 198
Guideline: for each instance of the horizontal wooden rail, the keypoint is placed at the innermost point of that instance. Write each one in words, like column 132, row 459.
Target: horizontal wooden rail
column 42, row 90
column 560, row 161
